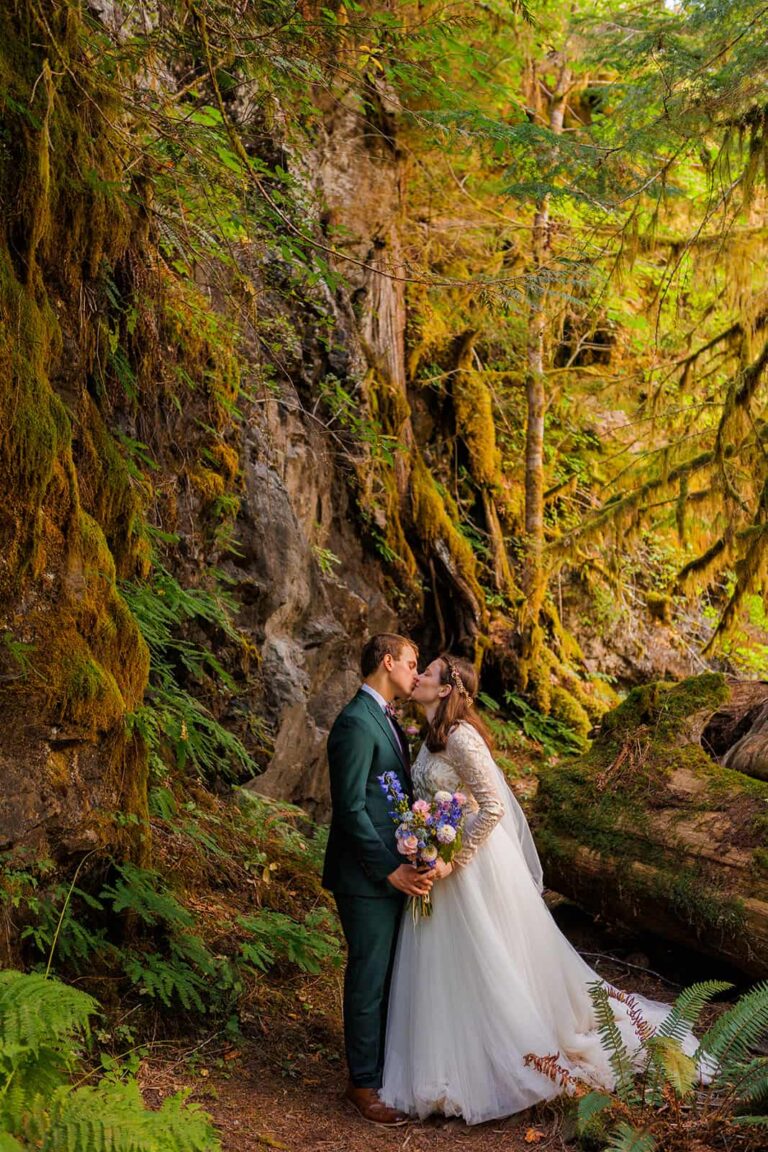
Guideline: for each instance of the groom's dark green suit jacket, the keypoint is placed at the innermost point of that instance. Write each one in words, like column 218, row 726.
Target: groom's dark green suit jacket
column 361, row 850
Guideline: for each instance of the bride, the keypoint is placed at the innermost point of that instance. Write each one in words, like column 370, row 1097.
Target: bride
column 488, row 978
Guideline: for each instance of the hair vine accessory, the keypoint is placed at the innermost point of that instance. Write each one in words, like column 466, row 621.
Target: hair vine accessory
column 454, row 674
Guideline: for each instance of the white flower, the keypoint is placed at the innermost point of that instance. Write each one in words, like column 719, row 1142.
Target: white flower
column 429, row 853
column 446, row 834
column 442, row 797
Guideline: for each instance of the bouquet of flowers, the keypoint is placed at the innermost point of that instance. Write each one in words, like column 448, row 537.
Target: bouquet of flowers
column 425, row 829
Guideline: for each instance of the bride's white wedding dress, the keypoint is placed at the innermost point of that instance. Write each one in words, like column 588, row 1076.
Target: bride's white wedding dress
column 489, row 977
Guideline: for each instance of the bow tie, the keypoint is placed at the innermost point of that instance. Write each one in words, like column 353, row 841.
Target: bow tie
column 390, row 711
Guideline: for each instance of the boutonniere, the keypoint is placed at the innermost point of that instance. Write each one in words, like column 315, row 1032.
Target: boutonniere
column 412, row 734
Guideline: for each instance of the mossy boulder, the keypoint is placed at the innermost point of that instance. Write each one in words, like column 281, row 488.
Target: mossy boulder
column 651, row 830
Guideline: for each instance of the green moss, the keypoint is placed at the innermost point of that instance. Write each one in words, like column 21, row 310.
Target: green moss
column 86, row 692
column 475, row 425
column 698, row 903
column 572, row 805
column 564, row 706
column 660, row 606
column 113, row 491
column 34, row 427
column 101, row 615
column 399, row 552
column 389, row 407
column 664, row 705
column 432, row 522
column 605, row 800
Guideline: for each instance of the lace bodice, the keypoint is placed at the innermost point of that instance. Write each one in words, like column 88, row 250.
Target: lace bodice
column 466, row 765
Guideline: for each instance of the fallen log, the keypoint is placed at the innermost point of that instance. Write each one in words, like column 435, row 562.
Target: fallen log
column 662, row 825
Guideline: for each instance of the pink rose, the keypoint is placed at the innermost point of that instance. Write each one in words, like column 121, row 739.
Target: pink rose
column 460, row 798
column 421, row 807
column 408, row 844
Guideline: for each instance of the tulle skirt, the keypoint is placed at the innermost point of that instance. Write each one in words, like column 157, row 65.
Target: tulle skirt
column 485, row 980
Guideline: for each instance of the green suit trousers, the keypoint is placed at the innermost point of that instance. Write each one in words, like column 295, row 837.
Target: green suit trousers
column 361, row 853
column 370, row 927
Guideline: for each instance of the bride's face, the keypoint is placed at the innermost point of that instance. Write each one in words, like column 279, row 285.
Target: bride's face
column 429, row 688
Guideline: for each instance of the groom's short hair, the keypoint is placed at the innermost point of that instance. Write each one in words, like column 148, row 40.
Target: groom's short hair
column 384, row 643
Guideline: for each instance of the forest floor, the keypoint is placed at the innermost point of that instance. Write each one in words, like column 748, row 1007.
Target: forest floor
column 280, row 1085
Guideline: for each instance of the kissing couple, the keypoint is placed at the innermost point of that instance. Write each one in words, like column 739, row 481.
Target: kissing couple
column 440, row 1012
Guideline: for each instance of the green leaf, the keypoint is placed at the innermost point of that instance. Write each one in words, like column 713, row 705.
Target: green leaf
column 679, row 1070
column 589, row 1107
column 625, row 1138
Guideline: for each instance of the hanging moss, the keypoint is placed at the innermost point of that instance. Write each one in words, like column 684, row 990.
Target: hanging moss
column 475, row 425
column 61, row 171
column 432, row 522
column 393, row 543
column 114, row 494
column 94, row 664
column 228, row 461
column 389, row 406
column 34, row 427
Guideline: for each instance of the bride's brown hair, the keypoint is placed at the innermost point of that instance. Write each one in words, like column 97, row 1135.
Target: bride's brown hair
column 458, row 704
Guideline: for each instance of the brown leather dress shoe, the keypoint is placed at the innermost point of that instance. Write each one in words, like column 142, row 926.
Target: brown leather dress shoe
column 367, row 1103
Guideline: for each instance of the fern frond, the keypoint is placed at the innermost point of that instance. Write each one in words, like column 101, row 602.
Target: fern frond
column 589, row 1107
column 625, row 1138
column 750, row 1080
column 144, row 892
column 167, row 980
column 112, row 1118
column 672, row 1065
column 611, row 1040
column 9, row 1143
column 185, row 1127
column 688, row 1006
column 273, row 935
column 37, row 1012
column 29, row 1077
column 735, row 1033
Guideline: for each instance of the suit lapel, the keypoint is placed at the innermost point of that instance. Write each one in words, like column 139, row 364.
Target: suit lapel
column 378, row 715
column 406, row 752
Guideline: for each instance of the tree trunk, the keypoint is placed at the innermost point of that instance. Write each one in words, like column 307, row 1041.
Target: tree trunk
column 651, row 829
column 534, row 577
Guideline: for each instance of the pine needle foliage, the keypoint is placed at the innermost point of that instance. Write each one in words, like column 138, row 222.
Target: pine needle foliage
column 43, row 1024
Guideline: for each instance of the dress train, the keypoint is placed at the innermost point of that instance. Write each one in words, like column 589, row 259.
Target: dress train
column 489, row 978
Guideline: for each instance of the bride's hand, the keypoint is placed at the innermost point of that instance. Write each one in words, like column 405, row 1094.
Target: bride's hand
column 442, row 869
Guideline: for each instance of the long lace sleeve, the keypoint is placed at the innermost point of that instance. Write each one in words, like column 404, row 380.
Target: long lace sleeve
column 469, row 753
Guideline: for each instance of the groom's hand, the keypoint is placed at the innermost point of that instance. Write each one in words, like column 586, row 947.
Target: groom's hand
column 412, row 881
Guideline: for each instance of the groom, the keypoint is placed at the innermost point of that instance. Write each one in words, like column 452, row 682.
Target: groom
column 368, row 878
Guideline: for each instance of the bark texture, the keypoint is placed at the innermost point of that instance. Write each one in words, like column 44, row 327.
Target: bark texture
column 657, row 828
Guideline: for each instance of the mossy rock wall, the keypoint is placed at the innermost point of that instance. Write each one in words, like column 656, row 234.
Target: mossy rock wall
column 73, row 664
column 649, row 830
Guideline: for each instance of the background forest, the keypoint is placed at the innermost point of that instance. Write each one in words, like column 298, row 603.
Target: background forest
column 450, row 318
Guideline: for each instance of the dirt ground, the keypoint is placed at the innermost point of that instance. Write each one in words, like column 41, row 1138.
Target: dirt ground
column 281, row 1085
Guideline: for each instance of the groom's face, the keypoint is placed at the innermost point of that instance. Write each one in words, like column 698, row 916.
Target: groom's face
column 403, row 674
